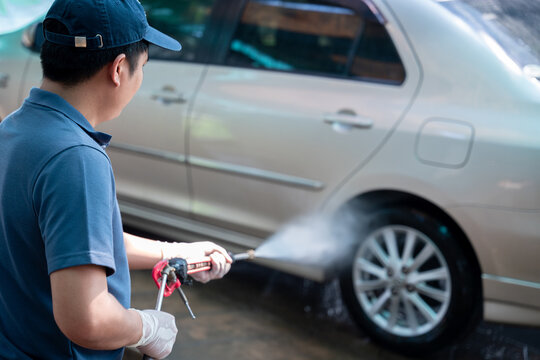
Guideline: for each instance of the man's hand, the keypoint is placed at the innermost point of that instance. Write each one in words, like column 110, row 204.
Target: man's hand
column 221, row 261
column 159, row 333
column 145, row 253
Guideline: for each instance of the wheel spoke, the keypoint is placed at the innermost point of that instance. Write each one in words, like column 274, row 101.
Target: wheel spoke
column 391, row 245
column 363, row 286
column 433, row 293
column 423, row 307
column 409, row 245
column 412, row 319
column 371, row 268
column 377, row 250
column 377, row 306
column 430, row 275
column 394, row 310
column 425, row 254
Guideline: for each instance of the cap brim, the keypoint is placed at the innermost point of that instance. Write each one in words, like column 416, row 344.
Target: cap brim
column 160, row 39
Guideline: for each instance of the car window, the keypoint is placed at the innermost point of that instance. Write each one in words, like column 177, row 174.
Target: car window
column 314, row 37
column 184, row 20
column 376, row 57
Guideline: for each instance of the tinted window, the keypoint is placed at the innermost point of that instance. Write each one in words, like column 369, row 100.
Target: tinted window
column 184, row 20
column 376, row 57
column 314, row 37
column 294, row 36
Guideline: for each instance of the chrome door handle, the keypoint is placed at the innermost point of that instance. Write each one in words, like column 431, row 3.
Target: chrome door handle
column 4, row 78
column 347, row 119
column 168, row 95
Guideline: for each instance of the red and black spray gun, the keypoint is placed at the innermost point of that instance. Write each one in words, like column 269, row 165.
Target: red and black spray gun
column 170, row 274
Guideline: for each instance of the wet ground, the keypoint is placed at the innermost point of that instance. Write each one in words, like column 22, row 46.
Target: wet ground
column 256, row 313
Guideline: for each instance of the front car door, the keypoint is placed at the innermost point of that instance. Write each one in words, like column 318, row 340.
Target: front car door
column 304, row 93
column 148, row 148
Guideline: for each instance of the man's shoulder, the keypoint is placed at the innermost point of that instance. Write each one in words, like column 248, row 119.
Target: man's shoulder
column 49, row 131
column 35, row 138
column 80, row 155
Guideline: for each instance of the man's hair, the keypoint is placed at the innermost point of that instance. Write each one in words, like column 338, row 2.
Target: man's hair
column 70, row 65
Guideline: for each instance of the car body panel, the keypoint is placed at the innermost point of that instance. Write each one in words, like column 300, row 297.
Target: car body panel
column 13, row 55
column 511, row 301
column 244, row 108
column 32, row 76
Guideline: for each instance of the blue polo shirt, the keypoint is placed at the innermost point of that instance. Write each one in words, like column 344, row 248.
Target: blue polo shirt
column 58, row 209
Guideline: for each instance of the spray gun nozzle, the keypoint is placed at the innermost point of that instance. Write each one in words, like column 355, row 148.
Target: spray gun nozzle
column 248, row 255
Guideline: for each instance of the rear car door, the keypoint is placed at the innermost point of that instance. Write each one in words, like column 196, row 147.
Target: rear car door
column 302, row 94
column 148, row 148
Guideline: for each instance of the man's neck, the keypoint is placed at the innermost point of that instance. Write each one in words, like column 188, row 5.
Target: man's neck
column 83, row 97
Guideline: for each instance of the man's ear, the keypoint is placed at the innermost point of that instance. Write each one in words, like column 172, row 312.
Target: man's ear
column 116, row 69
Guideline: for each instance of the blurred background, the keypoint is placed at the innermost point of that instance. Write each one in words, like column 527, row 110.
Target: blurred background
column 16, row 14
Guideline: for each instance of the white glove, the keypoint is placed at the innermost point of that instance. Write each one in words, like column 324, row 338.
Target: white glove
column 159, row 333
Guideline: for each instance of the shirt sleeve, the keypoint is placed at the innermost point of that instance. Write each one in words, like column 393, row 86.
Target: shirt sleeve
column 74, row 203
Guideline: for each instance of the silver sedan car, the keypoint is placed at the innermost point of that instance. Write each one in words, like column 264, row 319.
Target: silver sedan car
column 417, row 121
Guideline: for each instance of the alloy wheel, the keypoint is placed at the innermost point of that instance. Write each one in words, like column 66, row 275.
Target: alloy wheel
column 402, row 280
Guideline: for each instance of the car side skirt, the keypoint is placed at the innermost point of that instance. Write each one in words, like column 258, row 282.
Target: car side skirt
column 517, row 300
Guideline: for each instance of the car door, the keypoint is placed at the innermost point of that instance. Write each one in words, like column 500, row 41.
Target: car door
column 305, row 92
column 13, row 56
column 148, row 150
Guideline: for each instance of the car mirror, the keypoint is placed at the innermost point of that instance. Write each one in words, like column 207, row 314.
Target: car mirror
column 33, row 37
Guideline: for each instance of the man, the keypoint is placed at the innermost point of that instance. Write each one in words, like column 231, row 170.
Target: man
column 64, row 277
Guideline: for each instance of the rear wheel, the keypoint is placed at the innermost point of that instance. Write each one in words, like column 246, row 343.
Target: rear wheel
column 409, row 285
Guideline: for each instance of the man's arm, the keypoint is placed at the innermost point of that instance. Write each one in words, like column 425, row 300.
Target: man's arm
column 142, row 253
column 87, row 314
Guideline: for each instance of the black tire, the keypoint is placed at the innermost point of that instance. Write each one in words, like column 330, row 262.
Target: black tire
column 456, row 293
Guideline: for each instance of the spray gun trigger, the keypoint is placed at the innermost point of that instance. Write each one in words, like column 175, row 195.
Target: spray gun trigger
column 185, row 300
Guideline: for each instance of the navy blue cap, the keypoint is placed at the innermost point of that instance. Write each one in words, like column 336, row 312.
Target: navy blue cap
column 104, row 24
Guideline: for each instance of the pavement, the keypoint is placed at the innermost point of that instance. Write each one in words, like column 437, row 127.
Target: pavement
column 256, row 313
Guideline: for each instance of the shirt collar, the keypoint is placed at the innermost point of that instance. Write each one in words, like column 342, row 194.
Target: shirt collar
column 56, row 102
